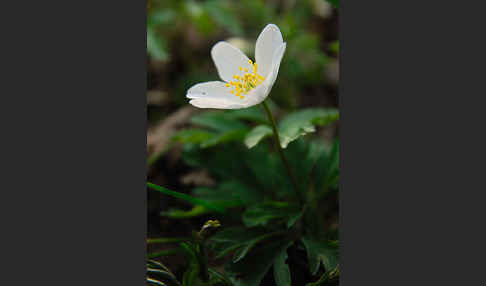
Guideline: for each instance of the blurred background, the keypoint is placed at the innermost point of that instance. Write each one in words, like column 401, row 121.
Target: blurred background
column 180, row 35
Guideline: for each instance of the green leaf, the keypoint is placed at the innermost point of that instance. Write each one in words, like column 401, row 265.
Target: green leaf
column 251, row 270
column 281, row 271
column 228, row 194
column 327, row 170
column 178, row 214
column 156, row 264
column 222, row 166
column 185, row 197
column 293, row 218
column 156, row 45
column 220, row 276
column 189, row 277
column 192, row 136
column 334, row 47
column 162, row 275
column 257, row 134
column 240, row 239
column 302, row 156
column 253, row 114
column 157, row 272
column 227, row 136
column 151, row 281
column 334, row 3
column 160, row 18
column 325, row 277
column 302, row 122
column 243, row 251
column 269, row 172
column 218, row 121
column 320, row 251
column 262, row 214
column 224, row 16
column 166, row 240
column 162, row 253
column 332, row 178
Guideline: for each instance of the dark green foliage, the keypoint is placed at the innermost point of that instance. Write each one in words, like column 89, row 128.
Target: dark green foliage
column 319, row 251
column 251, row 270
column 253, row 184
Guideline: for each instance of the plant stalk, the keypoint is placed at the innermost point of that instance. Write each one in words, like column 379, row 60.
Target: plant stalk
column 280, row 150
column 203, row 261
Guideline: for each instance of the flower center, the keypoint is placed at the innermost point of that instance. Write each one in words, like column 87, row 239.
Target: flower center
column 245, row 81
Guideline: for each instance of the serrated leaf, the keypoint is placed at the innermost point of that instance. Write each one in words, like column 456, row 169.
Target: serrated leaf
column 243, row 251
column 228, row 194
column 251, row 270
column 302, row 122
column 269, row 172
column 220, row 276
column 325, row 277
column 262, row 214
column 230, row 239
column 281, row 271
column 257, row 134
column 320, row 251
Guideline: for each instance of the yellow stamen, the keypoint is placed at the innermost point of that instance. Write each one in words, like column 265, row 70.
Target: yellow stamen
column 246, row 82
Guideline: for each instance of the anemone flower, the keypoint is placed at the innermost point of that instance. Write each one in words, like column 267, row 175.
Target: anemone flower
column 244, row 83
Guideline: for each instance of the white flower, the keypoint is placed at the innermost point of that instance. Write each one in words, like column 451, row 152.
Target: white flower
column 245, row 83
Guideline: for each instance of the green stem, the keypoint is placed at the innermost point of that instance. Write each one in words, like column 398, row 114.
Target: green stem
column 280, row 150
column 182, row 196
column 166, row 240
column 203, row 261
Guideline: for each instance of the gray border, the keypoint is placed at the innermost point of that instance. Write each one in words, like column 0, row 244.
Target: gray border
column 410, row 205
column 76, row 141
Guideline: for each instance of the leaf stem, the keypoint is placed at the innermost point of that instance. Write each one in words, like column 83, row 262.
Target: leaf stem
column 280, row 150
column 187, row 198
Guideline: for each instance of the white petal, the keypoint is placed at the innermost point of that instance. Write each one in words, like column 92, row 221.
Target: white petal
column 213, row 94
column 267, row 43
column 261, row 92
column 277, row 58
column 213, row 89
column 215, row 103
column 257, row 95
column 228, row 59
